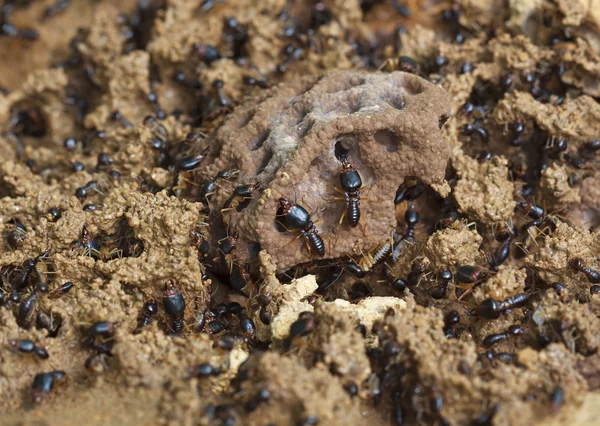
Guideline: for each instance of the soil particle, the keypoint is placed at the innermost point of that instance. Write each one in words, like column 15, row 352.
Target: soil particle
column 454, row 247
column 483, row 190
column 574, row 324
column 449, row 367
column 561, row 246
column 507, row 282
column 319, row 394
column 555, row 188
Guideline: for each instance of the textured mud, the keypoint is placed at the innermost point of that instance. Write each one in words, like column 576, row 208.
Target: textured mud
column 135, row 260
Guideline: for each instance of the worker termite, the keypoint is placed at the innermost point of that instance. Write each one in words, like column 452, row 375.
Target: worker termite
column 296, row 218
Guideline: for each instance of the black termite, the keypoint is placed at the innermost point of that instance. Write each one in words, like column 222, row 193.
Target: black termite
column 492, row 309
column 204, row 370
column 592, row 275
column 221, row 309
column 296, row 218
column 206, row 52
column 228, row 244
column 240, row 198
column 16, row 234
column 89, row 242
column 27, row 346
column 27, row 268
column 291, row 53
column 484, row 156
column 179, row 77
column 117, row 116
column 492, row 339
column 149, row 309
column 592, row 146
column 102, row 328
column 265, row 315
column 56, row 8
column 416, row 270
column 262, row 395
column 533, row 211
column 409, row 192
column 445, row 278
column 192, row 161
column 102, row 345
column 248, row 328
column 397, row 410
column 174, row 305
column 351, row 185
column 411, row 217
column 354, row 269
column 558, row 287
column 504, row 232
column 517, row 128
column 358, row 292
column 435, row 401
column 64, row 288
column 224, row 342
column 595, row 289
column 215, row 327
column 251, row 81
column 240, row 276
column 199, row 322
column 450, row 320
column 303, row 326
column 501, row 254
column 104, row 160
column 218, row 86
column 401, row 9
column 332, row 273
column 26, row 309
column 82, row 192
column 153, row 98
column 398, row 284
column 236, row 309
column 557, row 398
column 506, row 81
column 55, row 214
column 43, row 384
column 78, row 166
column 468, row 274
column 199, row 241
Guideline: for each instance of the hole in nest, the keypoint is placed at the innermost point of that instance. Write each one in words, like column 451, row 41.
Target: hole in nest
column 51, row 322
column 254, row 249
column 247, row 119
column 304, row 128
column 265, row 161
column 343, row 146
column 122, row 244
column 388, row 139
column 442, row 121
column 398, row 102
column 29, row 122
column 413, row 87
column 260, row 140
